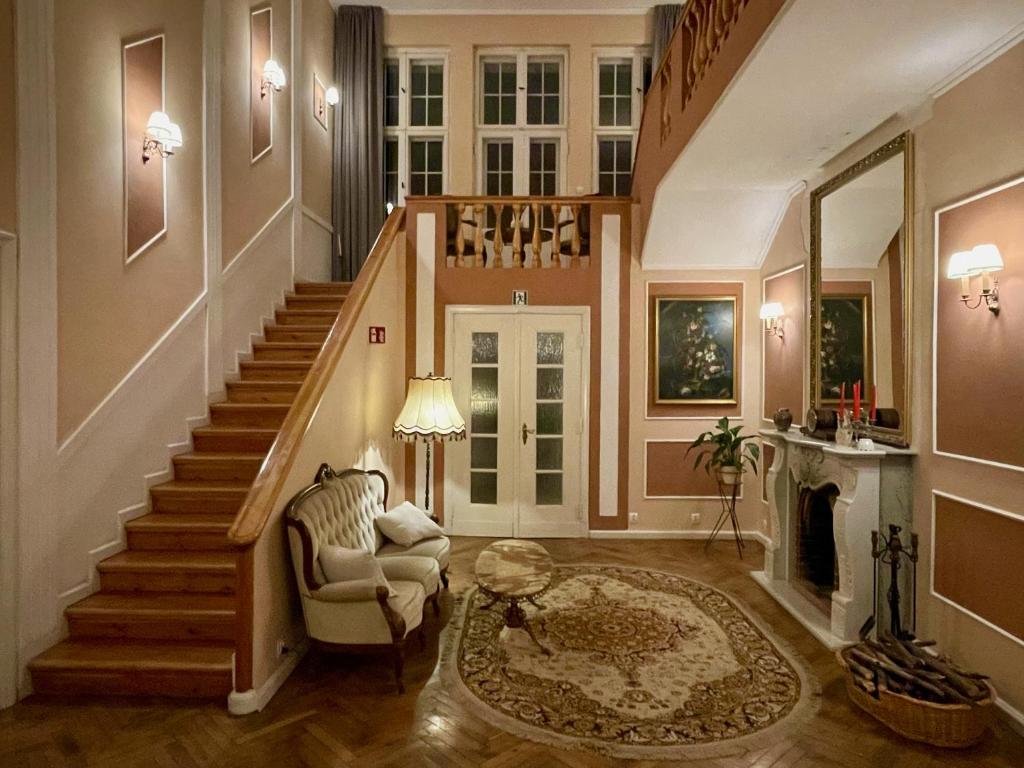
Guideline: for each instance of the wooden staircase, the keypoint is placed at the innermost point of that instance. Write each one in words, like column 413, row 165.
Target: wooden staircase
column 163, row 622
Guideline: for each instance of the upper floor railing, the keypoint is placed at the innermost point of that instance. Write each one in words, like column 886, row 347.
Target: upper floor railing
column 518, row 232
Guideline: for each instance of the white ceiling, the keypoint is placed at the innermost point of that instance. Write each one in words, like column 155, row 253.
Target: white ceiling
column 519, row 7
column 859, row 219
column 828, row 73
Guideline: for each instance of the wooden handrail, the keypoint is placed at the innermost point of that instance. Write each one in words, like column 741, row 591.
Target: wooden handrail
column 262, row 499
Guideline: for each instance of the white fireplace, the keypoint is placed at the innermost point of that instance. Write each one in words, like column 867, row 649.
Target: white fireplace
column 874, row 490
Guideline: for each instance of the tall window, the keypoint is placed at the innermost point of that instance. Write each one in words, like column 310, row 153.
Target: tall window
column 521, row 121
column 415, row 124
column 621, row 78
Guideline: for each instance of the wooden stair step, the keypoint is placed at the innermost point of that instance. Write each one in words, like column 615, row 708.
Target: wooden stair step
column 274, row 370
column 215, row 497
column 134, row 668
column 284, row 350
column 174, row 571
column 233, row 439
column 296, row 333
column 167, row 531
column 322, row 288
column 327, row 301
column 257, row 391
column 305, row 316
column 248, row 414
column 153, row 616
column 218, row 466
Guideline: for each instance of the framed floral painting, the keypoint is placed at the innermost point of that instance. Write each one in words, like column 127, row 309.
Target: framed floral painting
column 695, row 342
column 845, row 343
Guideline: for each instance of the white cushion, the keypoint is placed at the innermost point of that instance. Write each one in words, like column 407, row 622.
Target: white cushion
column 406, row 524
column 344, row 564
column 436, row 548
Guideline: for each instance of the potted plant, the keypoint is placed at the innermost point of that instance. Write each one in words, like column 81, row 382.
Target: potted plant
column 726, row 452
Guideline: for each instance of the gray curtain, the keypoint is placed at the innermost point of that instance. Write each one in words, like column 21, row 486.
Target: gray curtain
column 663, row 25
column 358, row 137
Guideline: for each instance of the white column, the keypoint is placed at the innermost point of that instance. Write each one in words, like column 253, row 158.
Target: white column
column 425, row 260
column 608, row 499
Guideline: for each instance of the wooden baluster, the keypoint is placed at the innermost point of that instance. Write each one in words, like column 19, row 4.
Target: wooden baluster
column 535, row 245
column 478, row 240
column 460, row 241
column 556, row 236
column 499, row 238
column 577, row 237
column 517, row 235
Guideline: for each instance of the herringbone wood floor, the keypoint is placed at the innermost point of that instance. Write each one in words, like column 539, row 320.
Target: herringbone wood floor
column 342, row 711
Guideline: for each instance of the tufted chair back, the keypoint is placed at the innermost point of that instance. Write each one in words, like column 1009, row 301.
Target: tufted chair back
column 340, row 511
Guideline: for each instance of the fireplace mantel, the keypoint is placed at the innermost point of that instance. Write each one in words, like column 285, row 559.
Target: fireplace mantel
column 874, row 490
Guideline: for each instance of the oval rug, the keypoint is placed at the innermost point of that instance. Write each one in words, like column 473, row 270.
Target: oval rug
column 643, row 664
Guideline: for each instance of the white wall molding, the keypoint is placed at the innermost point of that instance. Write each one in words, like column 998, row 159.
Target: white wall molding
column 297, row 100
column 257, row 240
column 255, row 699
column 313, row 216
column 647, row 496
column 213, row 208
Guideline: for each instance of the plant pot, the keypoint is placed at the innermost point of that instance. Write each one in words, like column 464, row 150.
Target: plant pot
column 783, row 419
column 730, row 475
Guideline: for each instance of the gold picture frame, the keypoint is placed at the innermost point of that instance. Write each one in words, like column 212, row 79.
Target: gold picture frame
column 712, row 357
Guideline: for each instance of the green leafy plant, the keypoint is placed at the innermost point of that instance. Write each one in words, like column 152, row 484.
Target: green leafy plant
column 725, row 447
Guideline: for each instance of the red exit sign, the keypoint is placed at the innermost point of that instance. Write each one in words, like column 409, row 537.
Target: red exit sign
column 377, row 334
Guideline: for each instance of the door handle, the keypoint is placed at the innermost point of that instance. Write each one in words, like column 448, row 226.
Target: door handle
column 527, row 432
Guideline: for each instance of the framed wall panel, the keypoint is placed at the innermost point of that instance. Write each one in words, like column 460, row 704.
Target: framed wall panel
column 145, row 183
column 978, row 413
column 783, row 358
column 261, row 105
column 974, row 547
column 319, row 102
column 669, row 472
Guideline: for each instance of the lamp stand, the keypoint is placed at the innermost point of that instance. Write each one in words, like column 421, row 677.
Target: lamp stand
column 426, row 489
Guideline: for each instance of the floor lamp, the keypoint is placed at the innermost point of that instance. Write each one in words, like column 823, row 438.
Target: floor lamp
column 430, row 415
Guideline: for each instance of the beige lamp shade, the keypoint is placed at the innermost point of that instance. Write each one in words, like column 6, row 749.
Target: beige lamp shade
column 429, row 412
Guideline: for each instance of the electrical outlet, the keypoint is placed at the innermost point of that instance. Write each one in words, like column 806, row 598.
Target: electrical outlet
column 695, row 518
column 634, row 517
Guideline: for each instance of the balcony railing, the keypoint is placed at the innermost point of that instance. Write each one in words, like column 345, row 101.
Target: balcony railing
column 518, row 232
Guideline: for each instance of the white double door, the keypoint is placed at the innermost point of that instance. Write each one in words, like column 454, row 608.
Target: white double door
column 518, row 379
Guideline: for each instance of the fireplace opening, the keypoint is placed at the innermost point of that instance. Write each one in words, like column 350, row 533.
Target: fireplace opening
column 817, row 568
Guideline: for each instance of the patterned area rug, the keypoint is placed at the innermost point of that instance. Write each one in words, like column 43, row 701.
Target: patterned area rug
column 643, row 664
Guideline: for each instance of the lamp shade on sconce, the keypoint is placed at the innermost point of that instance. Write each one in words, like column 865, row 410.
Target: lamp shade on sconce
column 772, row 310
column 158, row 126
column 981, row 258
column 960, row 265
column 429, row 412
column 173, row 140
column 274, row 75
column 331, row 97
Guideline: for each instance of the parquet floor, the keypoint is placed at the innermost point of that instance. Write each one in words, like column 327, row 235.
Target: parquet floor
column 342, row 711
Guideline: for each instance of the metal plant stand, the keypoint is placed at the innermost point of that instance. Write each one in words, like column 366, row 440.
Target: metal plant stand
column 727, row 496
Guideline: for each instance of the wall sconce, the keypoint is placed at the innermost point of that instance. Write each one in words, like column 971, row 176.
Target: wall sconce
column 980, row 260
column 162, row 137
column 273, row 77
column 331, row 97
column 772, row 314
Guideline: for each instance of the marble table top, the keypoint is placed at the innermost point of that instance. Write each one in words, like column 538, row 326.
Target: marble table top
column 514, row 568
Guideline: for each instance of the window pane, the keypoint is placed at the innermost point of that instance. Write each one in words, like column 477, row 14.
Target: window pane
column 550, row 348
column 623, row 152
column 551, row 110
column 417, row 156
column 534, row 110
column 549, row 418
column 484, row 453
column 391, row 92
column 492, row 77
column 485, row 348
column 435, row 111
column 606, row 111
column 534, row 78
column 434, row 156
column 434, row 184
column 492, row 110
column 485, row 383
column 418, row 112
column 418, row 74
column 605, row 155
column 435, row 79
column 484, row 417
column 549, row 453
column 624, row 110
column 623, row 78
column 508, row 110
column 606, row 79
column 549, row 488
column 606, row 184
column 483, row 488
column 549, row 383
column 648, row 73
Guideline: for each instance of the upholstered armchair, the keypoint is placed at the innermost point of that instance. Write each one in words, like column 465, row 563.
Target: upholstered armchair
column 360, row 614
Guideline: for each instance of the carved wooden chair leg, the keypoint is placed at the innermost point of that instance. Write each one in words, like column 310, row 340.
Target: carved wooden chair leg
column 398, row 658
column 444, row 578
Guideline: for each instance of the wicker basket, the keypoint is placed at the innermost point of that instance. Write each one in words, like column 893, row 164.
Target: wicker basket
column 941, row 725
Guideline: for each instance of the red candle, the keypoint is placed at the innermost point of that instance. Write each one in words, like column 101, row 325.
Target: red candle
column 856, row 401
column 842, row 400
column 874, row 403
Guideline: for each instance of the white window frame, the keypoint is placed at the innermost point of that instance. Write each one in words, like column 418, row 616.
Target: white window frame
column 522, row 132
column 636, row 55
column 404, row 132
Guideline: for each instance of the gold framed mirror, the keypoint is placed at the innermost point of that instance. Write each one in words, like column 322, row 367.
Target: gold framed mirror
column 862, row 290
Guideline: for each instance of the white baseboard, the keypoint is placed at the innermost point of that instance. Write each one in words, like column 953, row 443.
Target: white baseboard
column 255, row 699
column 672, row 534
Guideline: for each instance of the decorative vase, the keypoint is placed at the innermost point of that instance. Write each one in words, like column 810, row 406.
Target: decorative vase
column 783, row 419
column 730, row 475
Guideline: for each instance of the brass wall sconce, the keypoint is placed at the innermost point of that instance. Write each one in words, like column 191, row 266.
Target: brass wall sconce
column 982, row 260
column 162, row 137
column 772, row 314
column 273, row 78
